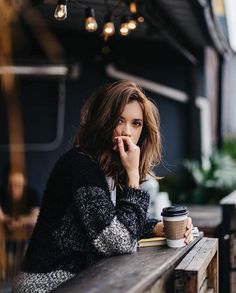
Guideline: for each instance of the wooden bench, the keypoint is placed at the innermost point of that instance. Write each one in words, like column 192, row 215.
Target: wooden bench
column 149, row 270
column 198, row 271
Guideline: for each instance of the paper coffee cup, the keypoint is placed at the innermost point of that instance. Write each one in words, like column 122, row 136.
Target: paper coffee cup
column 175, row 222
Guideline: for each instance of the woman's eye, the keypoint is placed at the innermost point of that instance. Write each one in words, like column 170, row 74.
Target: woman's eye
column 137, row 123
column 120, row 121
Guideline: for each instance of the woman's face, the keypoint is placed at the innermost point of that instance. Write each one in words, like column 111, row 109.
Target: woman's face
column 130, row 122
column 16, row 185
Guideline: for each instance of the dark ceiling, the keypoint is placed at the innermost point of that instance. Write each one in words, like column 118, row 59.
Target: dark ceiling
column 186, row 25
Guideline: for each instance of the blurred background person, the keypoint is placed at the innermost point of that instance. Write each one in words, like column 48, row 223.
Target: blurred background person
column 19, row 203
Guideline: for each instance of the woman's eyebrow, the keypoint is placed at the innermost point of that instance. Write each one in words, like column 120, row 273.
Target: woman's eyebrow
column 138, row 119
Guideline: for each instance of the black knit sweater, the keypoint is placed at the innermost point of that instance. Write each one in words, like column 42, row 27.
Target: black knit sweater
column 78, row 224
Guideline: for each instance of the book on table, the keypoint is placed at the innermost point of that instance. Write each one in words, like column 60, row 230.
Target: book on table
column 155, row 241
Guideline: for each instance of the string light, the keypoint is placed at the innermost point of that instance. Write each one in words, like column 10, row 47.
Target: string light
column 124, row 28
column 132, row 23
column 108, row 28
column 133, row 7
column 90, row 22
column 138, row 17
column 134, row 10
column 61, row 10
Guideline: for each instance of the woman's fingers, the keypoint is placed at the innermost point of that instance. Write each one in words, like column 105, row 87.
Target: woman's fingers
column 189, row 238
column 128, row 141
column 129, row 155
column 189, row 223
column 158, row 229
column 120, row 146
column 188, row 234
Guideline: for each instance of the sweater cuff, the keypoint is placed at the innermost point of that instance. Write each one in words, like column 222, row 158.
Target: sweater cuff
column 148, row 228
column 136, row 195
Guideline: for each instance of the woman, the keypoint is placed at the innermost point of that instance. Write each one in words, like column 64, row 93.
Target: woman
column 92, row 206
column 19, row 203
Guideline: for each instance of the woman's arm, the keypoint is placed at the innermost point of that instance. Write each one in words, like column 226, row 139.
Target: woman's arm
column 26, row 220
column 31, row 218
column 148, row 229
column 3, row 216
column 112, row 230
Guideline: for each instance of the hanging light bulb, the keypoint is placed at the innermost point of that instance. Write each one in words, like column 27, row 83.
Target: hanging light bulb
column 108, row 28
column 124, row 28
column 61, row 10
column 138, row 17
column 133, row 7
column 132, row 23
column 90, row 22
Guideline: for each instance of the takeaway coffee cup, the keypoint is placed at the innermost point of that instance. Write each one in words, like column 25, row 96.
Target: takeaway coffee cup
column 175, row 222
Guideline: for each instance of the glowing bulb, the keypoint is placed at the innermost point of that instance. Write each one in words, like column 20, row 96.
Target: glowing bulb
column 61, row 10
column 108, row 28
column 132, row 24
column 90, row 22
column 124, row 28
column 133, row 7
column 140, row 18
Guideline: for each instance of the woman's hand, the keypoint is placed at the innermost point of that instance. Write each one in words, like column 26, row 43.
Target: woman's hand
column 188, row 234
column 3, row 217
column 158, row 230
column 14, row 224
column 129, row 155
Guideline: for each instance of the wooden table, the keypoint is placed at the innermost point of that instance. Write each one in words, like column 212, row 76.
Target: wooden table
column 151, row 269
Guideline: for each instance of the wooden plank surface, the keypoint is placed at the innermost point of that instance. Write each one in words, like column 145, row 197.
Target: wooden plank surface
column 206, row 249
column 213, row 273
column 131, row 273
column 200, row 263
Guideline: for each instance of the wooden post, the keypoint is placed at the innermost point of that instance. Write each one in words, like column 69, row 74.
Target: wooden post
column 3, row 260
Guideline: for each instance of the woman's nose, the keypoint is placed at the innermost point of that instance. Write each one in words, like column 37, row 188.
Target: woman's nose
column 126, row 131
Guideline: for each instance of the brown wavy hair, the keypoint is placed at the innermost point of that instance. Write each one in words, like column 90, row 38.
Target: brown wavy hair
column 99, row 117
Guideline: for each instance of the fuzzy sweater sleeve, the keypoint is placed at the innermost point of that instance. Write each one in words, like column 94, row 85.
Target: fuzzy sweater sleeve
column 112, row 230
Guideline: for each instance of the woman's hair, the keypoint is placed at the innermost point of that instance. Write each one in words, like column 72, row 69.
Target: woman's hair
column 99, row 117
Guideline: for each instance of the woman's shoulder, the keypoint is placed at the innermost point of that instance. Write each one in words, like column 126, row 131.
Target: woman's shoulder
column 75, row 156
column 80, row 166
column 75, row 160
